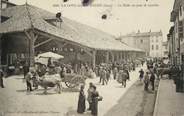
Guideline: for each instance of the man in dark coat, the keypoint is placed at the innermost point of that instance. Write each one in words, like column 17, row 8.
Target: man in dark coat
column 128, row 75
column 152, row 80
column 25, row 69
column 28, row 81
column 81, row 102
column 146, row 81
column 104, row 76
column 89, row 99
column 123, row 77
column 1, row 78
column 141, row 74
column 94, row 104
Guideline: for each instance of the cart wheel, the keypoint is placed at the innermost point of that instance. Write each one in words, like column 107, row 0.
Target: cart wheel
column 70, row 85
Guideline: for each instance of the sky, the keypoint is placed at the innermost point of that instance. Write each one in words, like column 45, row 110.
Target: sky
column 123, row 16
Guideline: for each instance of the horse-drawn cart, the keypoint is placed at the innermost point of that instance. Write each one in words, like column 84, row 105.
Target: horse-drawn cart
column 73, row 80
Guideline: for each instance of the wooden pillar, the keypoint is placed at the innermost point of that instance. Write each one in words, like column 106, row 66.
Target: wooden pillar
column 32, row 38
column 107, row 57
column 123, row 53
column 117, row 57
column 76, row 65
column 114, row 53
column 127, row 55
column 94, row 58
column 121, row 56
column 131, row 55
column 112, row 56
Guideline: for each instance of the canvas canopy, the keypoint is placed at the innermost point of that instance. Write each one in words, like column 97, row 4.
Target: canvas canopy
column 50, row 55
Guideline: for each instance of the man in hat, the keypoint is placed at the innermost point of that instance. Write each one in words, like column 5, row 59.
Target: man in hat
column 1, row 78
column 122, row 77
column 89, row 95
column 152, row 80
column 146, row 81
column 103, row 76
column 100, row 73
column 28, row 79
column 26, row 68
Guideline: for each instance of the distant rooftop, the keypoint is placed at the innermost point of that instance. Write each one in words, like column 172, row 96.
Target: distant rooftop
column 141, row 34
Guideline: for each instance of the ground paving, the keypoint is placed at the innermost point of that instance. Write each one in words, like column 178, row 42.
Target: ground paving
column 169, row 103
column 15, row 101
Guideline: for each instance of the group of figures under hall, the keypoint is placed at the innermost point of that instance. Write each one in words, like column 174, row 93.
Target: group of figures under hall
column 120, row 72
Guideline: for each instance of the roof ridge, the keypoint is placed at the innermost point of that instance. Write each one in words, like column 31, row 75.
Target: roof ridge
column 29, row 16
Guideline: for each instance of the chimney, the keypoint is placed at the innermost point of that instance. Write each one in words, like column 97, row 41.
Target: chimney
column 58, row 16
column 138, row 31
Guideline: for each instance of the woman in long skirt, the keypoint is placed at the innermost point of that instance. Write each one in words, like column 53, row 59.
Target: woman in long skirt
column 81, row 102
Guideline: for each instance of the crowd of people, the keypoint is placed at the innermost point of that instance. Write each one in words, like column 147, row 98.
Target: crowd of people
column 118, row 71
column 150, row 74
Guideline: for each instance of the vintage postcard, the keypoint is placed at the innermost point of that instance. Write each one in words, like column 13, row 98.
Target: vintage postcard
column 91, row 58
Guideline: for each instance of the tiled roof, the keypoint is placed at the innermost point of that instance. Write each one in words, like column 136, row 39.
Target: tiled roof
column 26, row 16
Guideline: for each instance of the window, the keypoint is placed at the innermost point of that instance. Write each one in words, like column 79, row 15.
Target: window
column 3, row 5
column 157, row 47
column 156, row 40
column 152, row 47
column 141, row 41
column 180, row 10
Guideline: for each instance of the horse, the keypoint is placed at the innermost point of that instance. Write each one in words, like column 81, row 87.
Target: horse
column 49, row 82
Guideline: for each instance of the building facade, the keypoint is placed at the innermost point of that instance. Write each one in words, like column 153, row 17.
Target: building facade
column 176, row 42
column 165, row 49
column 156, row 44
column 150, row 42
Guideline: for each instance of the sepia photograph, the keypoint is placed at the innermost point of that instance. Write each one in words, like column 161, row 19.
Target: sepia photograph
column 91, row 58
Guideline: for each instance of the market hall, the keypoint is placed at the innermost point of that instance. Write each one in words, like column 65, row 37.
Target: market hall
column 27, row 30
